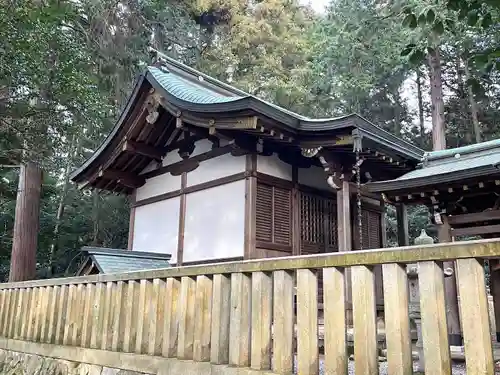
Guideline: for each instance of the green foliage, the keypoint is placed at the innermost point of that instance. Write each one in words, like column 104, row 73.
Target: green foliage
column 66, row 69
column 448, row 20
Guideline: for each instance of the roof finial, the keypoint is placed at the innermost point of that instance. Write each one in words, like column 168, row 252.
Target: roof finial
column 157, row 58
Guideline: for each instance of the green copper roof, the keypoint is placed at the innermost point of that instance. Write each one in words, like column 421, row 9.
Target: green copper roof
column 116, row 261
column 447, row 166
column 187, row 90
column 465, row 150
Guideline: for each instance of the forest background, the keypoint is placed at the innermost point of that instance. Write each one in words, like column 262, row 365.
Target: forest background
column 67, row 67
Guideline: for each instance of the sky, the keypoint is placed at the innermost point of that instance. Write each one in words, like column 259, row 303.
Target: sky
column 408, row 90
column 317, row 5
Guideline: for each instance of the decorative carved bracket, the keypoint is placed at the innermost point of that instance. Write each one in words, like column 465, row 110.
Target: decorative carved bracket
column 331, row 168
column 152, row 103
column 357, row 138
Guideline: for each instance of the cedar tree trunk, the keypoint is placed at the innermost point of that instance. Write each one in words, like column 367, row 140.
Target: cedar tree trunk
column 26, row 223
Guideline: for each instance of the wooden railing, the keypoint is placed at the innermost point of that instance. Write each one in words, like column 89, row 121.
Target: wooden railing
column 241, row 315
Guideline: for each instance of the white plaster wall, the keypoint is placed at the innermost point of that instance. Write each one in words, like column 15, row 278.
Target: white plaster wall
column 314, row 177
column 273, row 166
column 212, row 169
column 215, row 223
column 161, row 184
column 171, row 157
column 156, row 227
column 201, row 146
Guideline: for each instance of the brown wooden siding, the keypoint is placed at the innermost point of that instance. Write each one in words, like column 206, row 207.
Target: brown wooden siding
column 274, row 217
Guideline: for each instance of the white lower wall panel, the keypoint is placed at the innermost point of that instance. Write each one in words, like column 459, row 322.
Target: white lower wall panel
column 156, row 227
column 215, row 223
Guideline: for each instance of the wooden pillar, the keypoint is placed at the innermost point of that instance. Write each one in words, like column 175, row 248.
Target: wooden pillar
column 402, row 220
column 345, row 238
column 250, row 205
column 344, row 217
column 383, row 226
column 450, row 285
column 131, row 225
column 495, row 292
column 182, row 221
column 296, row 224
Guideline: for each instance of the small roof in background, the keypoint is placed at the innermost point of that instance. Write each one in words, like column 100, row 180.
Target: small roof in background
column 447, row 166
column 107, row 261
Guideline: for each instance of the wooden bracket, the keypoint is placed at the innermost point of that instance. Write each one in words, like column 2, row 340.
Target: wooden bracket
column 123, row 178
column 143, row 149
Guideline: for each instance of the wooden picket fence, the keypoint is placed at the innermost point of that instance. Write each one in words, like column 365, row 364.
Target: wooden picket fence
column 217, row 318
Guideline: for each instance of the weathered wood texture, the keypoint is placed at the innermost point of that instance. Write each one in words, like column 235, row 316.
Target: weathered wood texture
column 397, row 330
column 365, row 320
column 241, row 315
column 475, row 318
column 335, row 339
column 434, row 322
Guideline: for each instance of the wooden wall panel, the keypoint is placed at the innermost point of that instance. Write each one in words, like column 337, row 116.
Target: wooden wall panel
column 274, row 215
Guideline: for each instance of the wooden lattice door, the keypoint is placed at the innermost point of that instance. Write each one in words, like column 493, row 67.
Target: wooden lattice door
column 318, row 228
column 318, row 224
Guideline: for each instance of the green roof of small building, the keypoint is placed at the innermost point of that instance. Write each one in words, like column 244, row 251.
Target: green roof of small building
column 117, row 261
column 447, row 166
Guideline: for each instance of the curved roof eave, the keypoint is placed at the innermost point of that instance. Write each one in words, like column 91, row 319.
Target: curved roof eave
column 403, row 185
column 239, row 101
column 294, row 121
column 74, row 176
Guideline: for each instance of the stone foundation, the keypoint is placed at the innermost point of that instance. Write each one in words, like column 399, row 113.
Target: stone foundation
column 15, row 363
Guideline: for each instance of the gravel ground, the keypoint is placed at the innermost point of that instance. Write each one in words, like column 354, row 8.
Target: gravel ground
column 457, row 368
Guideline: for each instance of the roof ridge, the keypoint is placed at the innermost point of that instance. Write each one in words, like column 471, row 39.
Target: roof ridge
column 237, row 91
column 462, row 150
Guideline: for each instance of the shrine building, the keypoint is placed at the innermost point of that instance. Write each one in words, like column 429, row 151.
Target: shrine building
column 218, row 174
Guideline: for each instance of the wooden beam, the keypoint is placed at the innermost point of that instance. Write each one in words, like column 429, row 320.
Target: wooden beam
column 123, row 178
column 474, row 217
column 476, row 231
column 143, row 149
column 338, row 140
column 199, row 158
